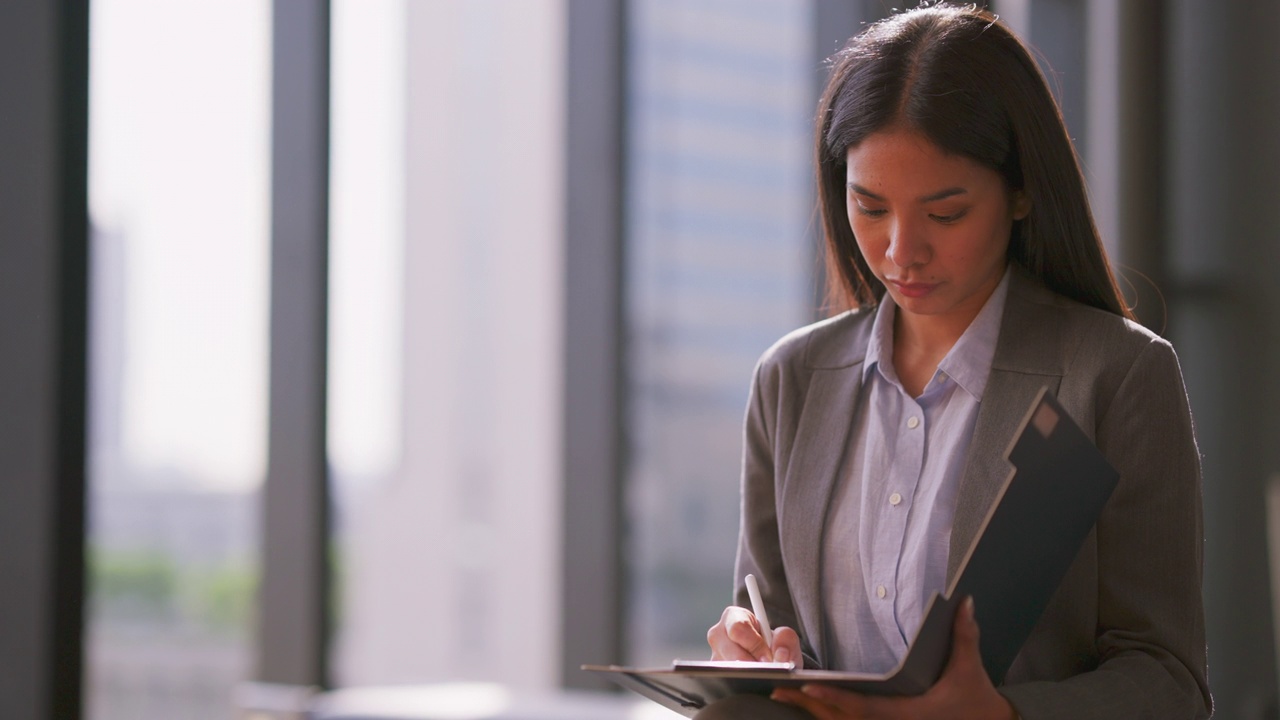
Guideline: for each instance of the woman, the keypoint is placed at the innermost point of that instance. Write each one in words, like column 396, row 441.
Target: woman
column 959, row 234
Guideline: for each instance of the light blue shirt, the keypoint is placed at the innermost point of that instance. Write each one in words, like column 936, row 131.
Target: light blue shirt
column 888, row 527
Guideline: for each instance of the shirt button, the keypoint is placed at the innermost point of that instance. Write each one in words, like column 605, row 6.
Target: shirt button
column 880, row 591
column 913, row 422
column 894, row 499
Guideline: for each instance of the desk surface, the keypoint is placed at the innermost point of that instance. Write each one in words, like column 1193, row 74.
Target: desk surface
column 480, row 701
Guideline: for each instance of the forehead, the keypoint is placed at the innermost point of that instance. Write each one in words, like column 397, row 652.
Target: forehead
column 907, row 160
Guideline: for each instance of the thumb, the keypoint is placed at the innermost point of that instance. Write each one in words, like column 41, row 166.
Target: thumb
column 786, row 646
column 965, row 649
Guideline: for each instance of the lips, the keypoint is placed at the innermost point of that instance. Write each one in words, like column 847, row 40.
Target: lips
column 913, row 289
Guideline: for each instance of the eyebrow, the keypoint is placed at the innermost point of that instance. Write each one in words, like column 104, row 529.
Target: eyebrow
column 940, row 195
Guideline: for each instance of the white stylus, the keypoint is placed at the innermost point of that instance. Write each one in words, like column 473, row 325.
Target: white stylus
column 757, row 607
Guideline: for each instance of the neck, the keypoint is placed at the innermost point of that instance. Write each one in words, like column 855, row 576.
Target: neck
column 934, row 335
column 927, row 335
column 920, row 342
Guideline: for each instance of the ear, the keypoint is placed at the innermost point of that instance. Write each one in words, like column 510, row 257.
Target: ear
column 1021, row 204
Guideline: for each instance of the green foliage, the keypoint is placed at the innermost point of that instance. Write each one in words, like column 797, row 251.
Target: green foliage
column 223, row 597
column 149, row 586
column 133, row 583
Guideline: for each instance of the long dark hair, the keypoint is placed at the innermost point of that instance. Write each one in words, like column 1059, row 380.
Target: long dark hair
column 959, row 77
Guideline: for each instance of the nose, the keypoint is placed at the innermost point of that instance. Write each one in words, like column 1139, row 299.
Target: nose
column 907, row 245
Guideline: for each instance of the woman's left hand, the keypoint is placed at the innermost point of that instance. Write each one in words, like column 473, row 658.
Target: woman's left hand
column 964, row 692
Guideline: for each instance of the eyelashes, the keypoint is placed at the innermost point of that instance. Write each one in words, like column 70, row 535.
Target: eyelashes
column 948, row 219
column 879, row 212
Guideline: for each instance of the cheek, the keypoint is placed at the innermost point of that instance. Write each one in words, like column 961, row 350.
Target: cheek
column 852, row 216
column 863, row 232
column 989, row 239
column 866, row 244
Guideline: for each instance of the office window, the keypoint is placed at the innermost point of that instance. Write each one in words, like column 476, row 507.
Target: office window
column 719, row 265
column 446, row 309
column 179, row 128
column 366, row 294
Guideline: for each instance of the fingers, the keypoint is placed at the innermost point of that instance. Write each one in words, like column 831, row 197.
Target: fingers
column 786, row 647
column 737, row 637
column 826, row 703
column 964, row 684
column 808, row 703
column 744, row 631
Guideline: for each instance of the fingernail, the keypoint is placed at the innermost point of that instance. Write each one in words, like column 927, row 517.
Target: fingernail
column 781, row 655
column 968, row 608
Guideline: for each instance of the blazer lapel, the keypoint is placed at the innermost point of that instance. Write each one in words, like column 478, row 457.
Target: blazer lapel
column 821, row 438
column 1030, row 355
column 1004, row 403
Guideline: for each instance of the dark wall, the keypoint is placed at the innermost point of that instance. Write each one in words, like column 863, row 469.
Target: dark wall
column 43, row 262
column 1223, row 186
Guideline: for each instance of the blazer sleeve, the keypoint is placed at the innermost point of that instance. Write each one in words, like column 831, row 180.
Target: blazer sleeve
column 759, row 547
column 1150, row 636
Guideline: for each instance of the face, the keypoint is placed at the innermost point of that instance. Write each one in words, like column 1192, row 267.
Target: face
column 933, row 227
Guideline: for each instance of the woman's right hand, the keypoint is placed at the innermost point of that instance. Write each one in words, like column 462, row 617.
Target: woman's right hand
column 737, row 637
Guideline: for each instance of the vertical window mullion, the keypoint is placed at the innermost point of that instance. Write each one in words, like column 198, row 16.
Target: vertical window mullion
column 592, row 576
column 294, row 596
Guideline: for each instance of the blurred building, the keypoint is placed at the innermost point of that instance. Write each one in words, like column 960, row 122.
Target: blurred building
column 719, row 264
column 451, row 560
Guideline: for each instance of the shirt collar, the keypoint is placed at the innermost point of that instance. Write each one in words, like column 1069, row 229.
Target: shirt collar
column 969, row 361
column 880, row 347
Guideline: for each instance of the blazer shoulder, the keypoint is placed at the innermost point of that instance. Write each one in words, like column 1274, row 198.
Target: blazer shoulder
column 1040, row 318
column 837, row 342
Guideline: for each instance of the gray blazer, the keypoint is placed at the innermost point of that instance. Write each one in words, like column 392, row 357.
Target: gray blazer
column 1123, row 637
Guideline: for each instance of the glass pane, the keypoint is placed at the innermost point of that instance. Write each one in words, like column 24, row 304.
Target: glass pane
column 719, row 265
column 445, row 381
column 366, row 245
column 178, row 200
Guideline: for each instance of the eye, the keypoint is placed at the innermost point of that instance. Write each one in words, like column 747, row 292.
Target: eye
column 948, row 219
column 869, row 212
